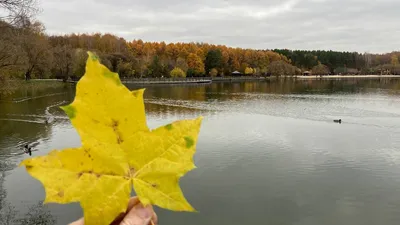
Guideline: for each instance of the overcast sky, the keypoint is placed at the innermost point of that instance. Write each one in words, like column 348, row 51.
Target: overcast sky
column 351, row 25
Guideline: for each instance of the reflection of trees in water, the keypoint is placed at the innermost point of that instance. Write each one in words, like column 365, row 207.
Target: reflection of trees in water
column 182, row 101
column 30, row 107
column 344, row 85
column 184, row 92
column 13, row 135
column 38, row 214
column 292, row 86
column 235, row 90
column 37, row 88
column 7, row 212
column 165, row 110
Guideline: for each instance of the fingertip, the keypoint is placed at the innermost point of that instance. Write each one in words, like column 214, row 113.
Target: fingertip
column 132, row 202
column 139, row 215
column 81, row 221
column 154, row 218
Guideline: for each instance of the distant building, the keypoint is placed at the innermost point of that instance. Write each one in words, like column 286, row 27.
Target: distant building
column 306, row 73
column 236, row 73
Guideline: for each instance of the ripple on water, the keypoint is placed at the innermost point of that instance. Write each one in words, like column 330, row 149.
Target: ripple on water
column 260, row 155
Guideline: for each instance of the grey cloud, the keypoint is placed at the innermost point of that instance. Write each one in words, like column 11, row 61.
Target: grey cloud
column 353, row 25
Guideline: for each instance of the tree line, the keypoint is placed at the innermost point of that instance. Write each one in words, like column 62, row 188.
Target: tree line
column 26, row 51
column 334, row 62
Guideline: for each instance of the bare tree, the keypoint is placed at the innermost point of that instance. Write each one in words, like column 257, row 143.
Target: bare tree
column 63, row 61
column 36, row 47
column 8, row 45
column 17, row 10
column 320, row 69
column 12, row 56
column 278, row 68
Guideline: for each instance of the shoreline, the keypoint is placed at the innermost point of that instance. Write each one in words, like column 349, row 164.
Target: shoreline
column 167, row 81
column 208, row 80
column 346, row 76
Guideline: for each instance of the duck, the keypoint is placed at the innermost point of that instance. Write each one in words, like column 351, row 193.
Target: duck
column 338, row 121
column 28, row 149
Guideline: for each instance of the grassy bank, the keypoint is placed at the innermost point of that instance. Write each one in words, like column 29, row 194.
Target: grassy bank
column 9, row 87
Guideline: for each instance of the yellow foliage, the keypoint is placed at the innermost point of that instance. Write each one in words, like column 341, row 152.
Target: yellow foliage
column 248, row 71
column 213, row 72
column 118, row 151
column 395, row 60
column 195, row 63
column 177, row 72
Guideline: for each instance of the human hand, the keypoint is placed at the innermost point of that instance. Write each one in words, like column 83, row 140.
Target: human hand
column 136, row 214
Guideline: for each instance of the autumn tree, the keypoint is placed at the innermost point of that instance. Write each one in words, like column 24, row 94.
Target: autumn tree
column 182, row 64
column 116, row 59
column 320, row 69
column 234, row 63
column 177, row 72
column 125, row 69
column 262, row 63
column 156, row 69
column 225, row 67
column 249, row 71
column 213, row 72
column 279, row 68
column 172, row 51
column 195, row 65
column 395, row 64
column 395, row 60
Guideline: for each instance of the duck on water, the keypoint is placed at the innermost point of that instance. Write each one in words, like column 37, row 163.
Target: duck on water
column 338, row 121
column 28, row 149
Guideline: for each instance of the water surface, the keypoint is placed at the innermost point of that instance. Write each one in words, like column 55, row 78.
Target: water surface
column 268, row 152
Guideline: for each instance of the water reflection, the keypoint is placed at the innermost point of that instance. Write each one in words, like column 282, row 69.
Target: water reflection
column 268, row 152
column 9, row 214
column 37, row 214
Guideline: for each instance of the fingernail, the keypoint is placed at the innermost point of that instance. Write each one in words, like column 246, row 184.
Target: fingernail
column 143, row 212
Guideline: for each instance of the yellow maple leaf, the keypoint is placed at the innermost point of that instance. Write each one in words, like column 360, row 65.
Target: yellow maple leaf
column 118, row 152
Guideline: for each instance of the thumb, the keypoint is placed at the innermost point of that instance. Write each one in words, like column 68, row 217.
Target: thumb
column 138, row 215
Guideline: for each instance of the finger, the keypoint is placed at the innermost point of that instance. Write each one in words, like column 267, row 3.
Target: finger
column 132, row 202
column 81, row 221
column 138, row 215
column 154, row 218
column 118, row 220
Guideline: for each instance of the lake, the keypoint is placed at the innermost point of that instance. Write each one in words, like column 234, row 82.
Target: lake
column 268, row 152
